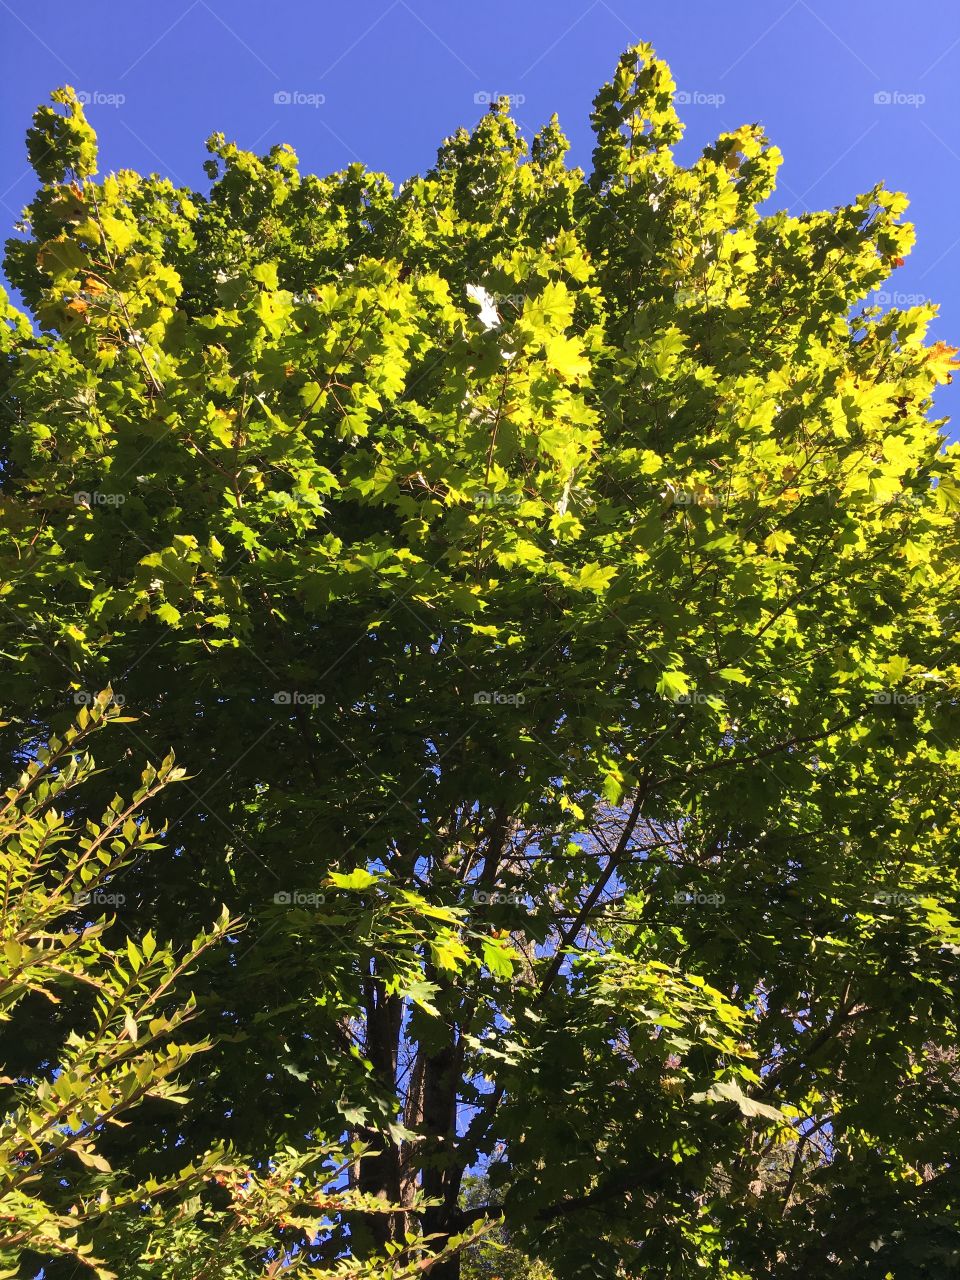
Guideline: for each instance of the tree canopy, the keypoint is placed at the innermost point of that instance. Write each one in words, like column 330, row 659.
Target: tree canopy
column 547, row 581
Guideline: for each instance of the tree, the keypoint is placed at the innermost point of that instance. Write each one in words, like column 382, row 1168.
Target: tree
column 550, row 580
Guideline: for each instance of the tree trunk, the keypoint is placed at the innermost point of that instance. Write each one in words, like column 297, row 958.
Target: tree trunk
column 380, row 1174
column 442, row 1173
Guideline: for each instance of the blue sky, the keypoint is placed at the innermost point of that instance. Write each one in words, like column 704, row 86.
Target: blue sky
column 384, row 80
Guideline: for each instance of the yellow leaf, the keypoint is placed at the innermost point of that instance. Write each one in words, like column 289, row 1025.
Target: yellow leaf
column 778, row 541
column 120, row 234
column 565, row 355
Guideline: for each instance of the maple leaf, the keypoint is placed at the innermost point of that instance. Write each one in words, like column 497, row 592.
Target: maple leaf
column 942, row 360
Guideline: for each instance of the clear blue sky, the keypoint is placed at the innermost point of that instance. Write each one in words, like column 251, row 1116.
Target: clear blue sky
column 398, row 75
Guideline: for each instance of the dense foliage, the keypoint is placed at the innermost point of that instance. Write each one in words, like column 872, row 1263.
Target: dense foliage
column 548, row 581
column 123, row 1047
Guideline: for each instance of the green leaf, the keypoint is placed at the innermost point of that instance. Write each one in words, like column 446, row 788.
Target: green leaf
column 167, row 613
column 358, row 879
column 596, row 578
column 673, row 684
column 62, row 257
column 499, row 958
column 734, row 674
